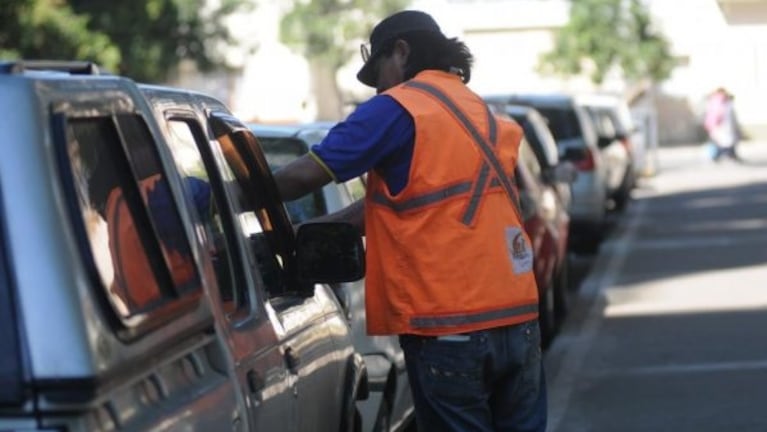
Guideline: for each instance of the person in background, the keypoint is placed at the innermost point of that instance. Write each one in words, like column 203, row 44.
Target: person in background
column 721, row 125
column 449, row 266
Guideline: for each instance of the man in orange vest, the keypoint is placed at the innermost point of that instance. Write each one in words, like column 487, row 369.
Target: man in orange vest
column 449, row 267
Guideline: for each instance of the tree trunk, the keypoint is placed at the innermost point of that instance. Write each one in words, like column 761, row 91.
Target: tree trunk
column 326, row 92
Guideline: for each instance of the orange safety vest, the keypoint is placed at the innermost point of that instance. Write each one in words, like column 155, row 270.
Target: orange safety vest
column 448, row 254
column 134, row 281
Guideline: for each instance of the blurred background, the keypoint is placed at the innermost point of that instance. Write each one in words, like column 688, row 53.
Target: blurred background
column 282, row 61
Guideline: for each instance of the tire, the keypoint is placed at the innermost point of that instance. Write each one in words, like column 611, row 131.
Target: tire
column 623, row 195
column 383, row 420
column 546, row 315
column 562, row 292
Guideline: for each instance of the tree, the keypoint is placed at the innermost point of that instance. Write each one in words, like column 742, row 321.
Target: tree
column 49, row 29
column 328, row 33
column 609, row 34
column 142, row 39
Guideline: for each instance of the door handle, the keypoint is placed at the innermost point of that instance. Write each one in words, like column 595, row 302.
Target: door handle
column 292, row 360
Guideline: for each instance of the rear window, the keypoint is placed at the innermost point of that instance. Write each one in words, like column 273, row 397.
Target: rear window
column 134, row 230
column 563, row 123
column 280, row 152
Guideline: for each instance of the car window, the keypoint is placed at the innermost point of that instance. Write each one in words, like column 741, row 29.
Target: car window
column 562, row 122
column 281, row 151
column 186, row 138
column 136, row 237
column 260, row 223
column 534, row 131
column 528, row 158
column 546, row 140
column 602, row 121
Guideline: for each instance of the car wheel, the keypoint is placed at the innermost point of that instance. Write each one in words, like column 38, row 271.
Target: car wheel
column 562, row 291
column 623, row 195
column 383, row 421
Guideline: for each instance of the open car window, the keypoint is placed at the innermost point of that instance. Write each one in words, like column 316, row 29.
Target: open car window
column 280, row 151
column 261, row 217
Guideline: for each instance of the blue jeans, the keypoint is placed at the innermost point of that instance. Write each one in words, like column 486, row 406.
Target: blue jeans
column 488, row 380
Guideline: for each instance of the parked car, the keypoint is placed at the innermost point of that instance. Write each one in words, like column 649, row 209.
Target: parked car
column 619, row 142
column 150, row 276
column 390, row 404
column 542, row 219
column 577, row 142
column 551, row 193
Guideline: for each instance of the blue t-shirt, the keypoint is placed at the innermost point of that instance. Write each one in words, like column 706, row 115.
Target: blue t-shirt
column 378, row 135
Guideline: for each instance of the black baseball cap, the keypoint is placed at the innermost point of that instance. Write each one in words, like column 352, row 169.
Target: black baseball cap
column 390, row 28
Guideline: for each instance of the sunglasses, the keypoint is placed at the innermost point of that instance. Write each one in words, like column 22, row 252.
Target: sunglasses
column 365, row 52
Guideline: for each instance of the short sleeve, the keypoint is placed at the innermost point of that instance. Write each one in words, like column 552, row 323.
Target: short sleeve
column 378, row 133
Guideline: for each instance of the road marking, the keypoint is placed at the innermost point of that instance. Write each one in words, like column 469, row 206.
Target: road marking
column 603, row 275
column 697, row 242
column 686, row 368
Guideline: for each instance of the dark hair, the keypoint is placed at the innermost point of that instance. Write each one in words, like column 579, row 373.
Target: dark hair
column 434, row 51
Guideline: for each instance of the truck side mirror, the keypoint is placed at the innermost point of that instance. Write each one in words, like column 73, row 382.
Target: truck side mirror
column 329, row 253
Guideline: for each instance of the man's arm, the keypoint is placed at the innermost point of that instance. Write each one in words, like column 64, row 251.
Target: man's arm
column 300, row 177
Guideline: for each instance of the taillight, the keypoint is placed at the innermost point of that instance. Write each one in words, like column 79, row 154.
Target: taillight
column 587, row 163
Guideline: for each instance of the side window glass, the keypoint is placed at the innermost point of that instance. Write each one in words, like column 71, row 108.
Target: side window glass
column 254, row 221
column 186, row 136
column 135, row 233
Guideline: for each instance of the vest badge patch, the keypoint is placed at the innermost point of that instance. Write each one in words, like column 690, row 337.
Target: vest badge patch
column 520, row 252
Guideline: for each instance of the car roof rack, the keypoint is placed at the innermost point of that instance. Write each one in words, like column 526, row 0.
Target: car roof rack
column 71, row 67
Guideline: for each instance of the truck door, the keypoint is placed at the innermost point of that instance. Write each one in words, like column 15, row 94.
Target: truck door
column 246, row 321
column 314, row 336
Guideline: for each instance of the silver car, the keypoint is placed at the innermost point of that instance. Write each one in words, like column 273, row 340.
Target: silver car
column 577, row 142
column 147, row 274
column 389, row 406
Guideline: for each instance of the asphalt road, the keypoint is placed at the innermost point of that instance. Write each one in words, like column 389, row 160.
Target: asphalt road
column 669, row 327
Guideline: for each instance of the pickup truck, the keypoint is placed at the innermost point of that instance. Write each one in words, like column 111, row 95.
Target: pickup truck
column 150, row 278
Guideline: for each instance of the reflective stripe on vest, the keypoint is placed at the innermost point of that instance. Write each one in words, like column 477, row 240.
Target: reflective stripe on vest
column 480, row 184
column 484, row 172
column 483, row 145
column 463, row 319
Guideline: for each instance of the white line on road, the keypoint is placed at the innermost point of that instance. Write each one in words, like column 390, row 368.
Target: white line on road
column 687, row 368
column 604, row 275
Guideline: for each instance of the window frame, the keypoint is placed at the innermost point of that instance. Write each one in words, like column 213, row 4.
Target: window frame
column 263, row 186
column 12, row 390
column 241, row 311
column 175, row 303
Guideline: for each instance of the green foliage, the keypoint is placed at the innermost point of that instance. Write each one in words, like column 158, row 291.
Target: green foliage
column 610, row 33
column 330, row 31
column 49, row 29
column 143, row 39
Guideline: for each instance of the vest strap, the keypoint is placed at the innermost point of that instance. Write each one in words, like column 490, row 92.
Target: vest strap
column 484, row 172
column 471, row 318
column 428, row 198
column 485, row 147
